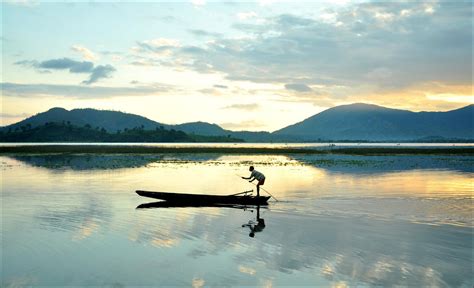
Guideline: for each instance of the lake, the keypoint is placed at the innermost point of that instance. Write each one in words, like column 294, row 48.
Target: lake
column 341, row 220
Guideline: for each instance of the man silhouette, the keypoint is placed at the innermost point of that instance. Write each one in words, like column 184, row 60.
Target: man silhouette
column 256, row 175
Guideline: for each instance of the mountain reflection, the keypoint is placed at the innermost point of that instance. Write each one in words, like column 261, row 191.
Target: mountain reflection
column 349, row 164
column 357, row 164
column 105, row 161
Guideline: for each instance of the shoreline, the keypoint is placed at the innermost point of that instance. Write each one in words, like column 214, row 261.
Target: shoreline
column 129, row 149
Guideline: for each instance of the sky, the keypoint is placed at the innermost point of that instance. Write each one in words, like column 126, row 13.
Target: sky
column 255, row 66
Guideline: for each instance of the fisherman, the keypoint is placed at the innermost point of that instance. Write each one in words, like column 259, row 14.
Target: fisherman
column 256, row 175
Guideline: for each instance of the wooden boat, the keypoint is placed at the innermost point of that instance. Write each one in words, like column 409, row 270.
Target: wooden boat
column 239, row 198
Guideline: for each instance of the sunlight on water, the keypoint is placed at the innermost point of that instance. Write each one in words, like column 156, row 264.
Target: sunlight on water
column 71, row 220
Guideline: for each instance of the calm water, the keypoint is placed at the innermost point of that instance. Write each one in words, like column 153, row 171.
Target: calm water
column 341, row 221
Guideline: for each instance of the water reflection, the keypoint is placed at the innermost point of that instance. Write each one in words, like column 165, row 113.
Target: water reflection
column 350, row 164
column 255, row 226
column 408, row 227
column 106, row 161
column 173, row 204
column 82, row 219
column 318, row 250
column 363, row 165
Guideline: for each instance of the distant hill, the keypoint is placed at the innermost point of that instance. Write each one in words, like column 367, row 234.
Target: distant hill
column 207, row 129
column 355, row 122
column 201, row 128
column 367, row 122
column 111, row 121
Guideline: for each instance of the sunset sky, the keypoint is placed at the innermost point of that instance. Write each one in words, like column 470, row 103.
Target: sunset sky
column 243, row 65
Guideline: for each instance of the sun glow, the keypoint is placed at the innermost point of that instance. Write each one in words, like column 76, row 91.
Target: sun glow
column 452, row 98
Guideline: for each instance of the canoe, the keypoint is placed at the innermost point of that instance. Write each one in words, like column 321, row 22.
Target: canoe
column 205, row 199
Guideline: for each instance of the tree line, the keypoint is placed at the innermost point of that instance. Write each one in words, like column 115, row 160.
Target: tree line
column 67, row 132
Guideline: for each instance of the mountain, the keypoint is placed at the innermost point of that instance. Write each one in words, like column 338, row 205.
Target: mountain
column 202, row 128
column 355, row 122
column 207, row 129
column 368, row 122
column 111, row 121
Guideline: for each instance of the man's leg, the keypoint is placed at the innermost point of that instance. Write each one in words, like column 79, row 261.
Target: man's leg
column 258, row 190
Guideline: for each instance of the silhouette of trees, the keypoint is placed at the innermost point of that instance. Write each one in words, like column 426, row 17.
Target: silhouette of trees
column 66, row 132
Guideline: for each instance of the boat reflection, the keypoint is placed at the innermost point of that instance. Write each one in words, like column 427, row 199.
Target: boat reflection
column 172, row 204
column 255, row 226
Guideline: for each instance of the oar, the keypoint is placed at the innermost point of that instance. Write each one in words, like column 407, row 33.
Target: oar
column 260, row 188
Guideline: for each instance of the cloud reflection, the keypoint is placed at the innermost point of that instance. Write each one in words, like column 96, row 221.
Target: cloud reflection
column 83, row 219
column 333, row 229
column 198, row 282
column 247, row 270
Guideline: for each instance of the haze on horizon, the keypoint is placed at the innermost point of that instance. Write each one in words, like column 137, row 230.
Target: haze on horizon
column 254, row 65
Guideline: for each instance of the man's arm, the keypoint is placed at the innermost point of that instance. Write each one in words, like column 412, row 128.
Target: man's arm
column 248, row 178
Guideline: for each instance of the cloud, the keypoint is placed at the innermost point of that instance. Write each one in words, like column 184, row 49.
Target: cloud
column 243, row 125
column 86, row 53
column 198, row 3
column 27, row 63
column 24, row 3
column 167, row 18
column 114, row 55
column 100, row 72
column 221, row 86
column 266, row 2
column 210, row 91
column 246, row 15
column 67, row 64
column 10, row 115
column 204, row 33
column 145, row 62
column 299, row 87
column 246, row 107
column 110, row 53
column 80, row 91
column 382, row 45
column 161, row 46
column 73, row 66
column 449, row 97
column 293, row 21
